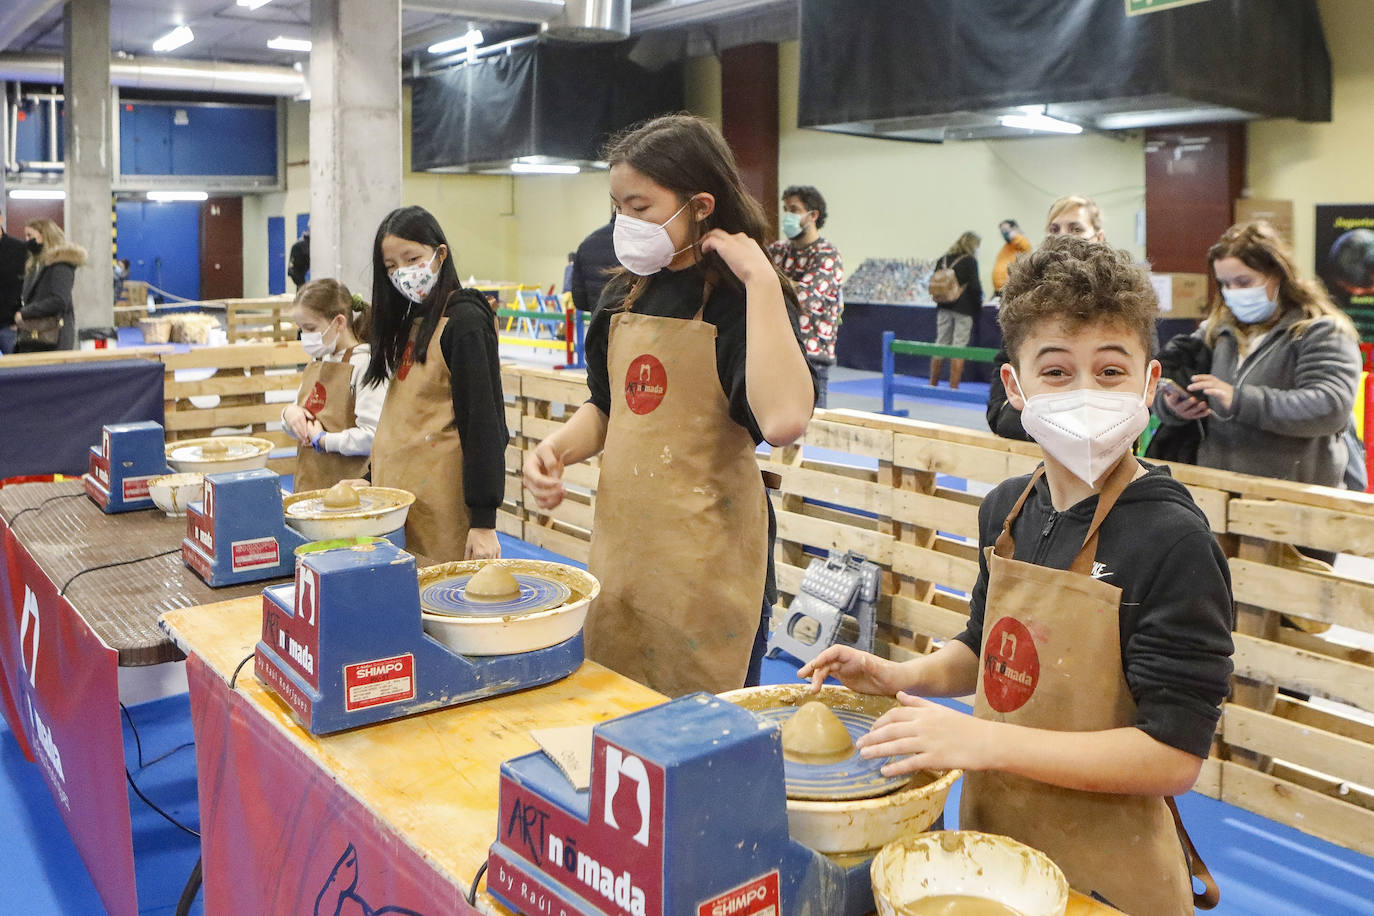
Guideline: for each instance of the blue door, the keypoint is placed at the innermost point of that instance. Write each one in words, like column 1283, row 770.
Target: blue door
column 162, row 243
column 276, row 255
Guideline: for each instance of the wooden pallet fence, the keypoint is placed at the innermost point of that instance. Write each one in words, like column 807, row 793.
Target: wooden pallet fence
column 242, row 377
column 259, row 319
column 548, row 398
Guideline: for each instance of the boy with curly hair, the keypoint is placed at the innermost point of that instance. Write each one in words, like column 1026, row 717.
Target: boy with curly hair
column 1098, row 644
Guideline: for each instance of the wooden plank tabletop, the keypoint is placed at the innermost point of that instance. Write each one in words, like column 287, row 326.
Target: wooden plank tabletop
column 446, row 803
column 67, row 535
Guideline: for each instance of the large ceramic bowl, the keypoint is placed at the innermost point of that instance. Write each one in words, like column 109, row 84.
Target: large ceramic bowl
column 381, row 511
column 242, row 453
column 172, row 493
column 855, row 825
column 511, row 633
column 966, row 863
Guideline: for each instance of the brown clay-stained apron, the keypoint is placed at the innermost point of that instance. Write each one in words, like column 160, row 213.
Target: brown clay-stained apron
column 327, row 394
column 680, row 534
column 1051, row 659
column 417, row 449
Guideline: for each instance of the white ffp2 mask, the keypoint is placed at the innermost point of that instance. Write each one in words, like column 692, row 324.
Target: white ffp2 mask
column 643, row 247
column 1086, row 430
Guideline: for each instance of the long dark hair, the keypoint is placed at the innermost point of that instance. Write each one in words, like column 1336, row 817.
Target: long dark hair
column 687, row 155
column 393, row 313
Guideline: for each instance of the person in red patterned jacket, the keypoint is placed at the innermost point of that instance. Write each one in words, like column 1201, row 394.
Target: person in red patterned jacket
column 815, row 268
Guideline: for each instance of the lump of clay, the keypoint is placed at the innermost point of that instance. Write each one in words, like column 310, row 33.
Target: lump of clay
column 814, row 734
column 341, row 496
column 492, row 583
column 214, row 448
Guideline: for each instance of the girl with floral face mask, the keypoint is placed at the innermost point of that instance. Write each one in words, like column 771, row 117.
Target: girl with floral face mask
column 335, row 414
column 442, row 433
column 693, row 358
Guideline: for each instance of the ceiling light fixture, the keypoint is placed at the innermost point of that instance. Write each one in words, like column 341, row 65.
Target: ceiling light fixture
column 253, row 4
column 1036, row 119
column 471, row 39
column 282, row 43
column 174, row 39
column 543, row 168
column 38, row 194
column 165, row 196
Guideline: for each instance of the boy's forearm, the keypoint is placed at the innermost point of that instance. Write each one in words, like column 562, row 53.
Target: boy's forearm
column 1121, row 760
column 950, row 671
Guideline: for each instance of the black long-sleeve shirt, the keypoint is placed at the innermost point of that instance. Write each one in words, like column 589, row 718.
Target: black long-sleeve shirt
column 1176, row 613
column 13, row 254
column 468, row 343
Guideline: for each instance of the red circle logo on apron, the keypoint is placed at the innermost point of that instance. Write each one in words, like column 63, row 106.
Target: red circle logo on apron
column 646, row 382
column 315, row 401
column 407, row 360
column 1011, row 666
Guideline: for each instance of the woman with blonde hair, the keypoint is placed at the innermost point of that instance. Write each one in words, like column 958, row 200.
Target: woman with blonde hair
column 958, row 295
column 1077, row 215
column 1285, row 366
column 47, row 319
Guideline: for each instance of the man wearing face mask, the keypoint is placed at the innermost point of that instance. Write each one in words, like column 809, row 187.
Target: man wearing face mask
column 1016, row 243
column 816, row 270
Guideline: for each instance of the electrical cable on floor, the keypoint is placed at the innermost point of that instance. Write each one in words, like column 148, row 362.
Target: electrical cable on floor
column 188, row 893
column 137, row 743
column 16, row 515
column 161, row 757
column 149, row 802
column 476, row 879
column 165, row 553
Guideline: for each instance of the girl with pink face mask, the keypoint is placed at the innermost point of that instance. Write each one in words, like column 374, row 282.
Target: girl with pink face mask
column 442, row 433
column 693, row 358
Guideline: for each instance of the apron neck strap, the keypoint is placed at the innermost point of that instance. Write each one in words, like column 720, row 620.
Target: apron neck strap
column 1116, row 484
column 347, row 355
column 1117, row 480
column 1005, row 546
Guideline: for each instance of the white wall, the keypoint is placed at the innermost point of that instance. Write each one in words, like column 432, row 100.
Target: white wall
column 257, row 208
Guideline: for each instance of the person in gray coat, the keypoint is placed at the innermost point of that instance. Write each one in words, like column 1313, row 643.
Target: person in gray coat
column 1285, row 367
column 47, row 320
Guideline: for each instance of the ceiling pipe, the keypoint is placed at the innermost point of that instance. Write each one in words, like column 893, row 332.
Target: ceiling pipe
column 160, row 73
column 19, row 15
column 531, row 11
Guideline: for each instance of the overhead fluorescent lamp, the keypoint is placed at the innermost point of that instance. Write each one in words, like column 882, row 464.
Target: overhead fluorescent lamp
column 253, row 4
column 282, row 43
column 38, row 194
column 471, row 39
column 174, row 39
column 1035, row 118
column 164, row 196
column 543, row 168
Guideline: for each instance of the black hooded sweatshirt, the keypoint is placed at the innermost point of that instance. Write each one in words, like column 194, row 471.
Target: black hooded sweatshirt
column 1177, row 611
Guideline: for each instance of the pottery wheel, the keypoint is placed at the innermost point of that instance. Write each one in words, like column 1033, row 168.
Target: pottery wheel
column 853, row 777
column 232, row 450
column 448, row 597
column 368, row 504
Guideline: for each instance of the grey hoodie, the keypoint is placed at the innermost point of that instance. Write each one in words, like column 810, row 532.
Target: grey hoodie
column 1292, row 402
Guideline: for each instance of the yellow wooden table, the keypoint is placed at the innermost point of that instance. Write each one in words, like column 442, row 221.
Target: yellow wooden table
column 399, row 814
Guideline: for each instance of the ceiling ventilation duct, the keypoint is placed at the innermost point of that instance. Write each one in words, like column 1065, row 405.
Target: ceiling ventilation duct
column 540, row 104
column 936, row 70
column 590, row 20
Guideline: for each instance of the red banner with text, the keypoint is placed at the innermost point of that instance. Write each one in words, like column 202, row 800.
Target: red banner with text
column 9, row 655
column 64, row 685
column 280, row 835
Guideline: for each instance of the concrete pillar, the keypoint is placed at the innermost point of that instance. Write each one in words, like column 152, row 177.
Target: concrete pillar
column 355, row 133
column 89, row 155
